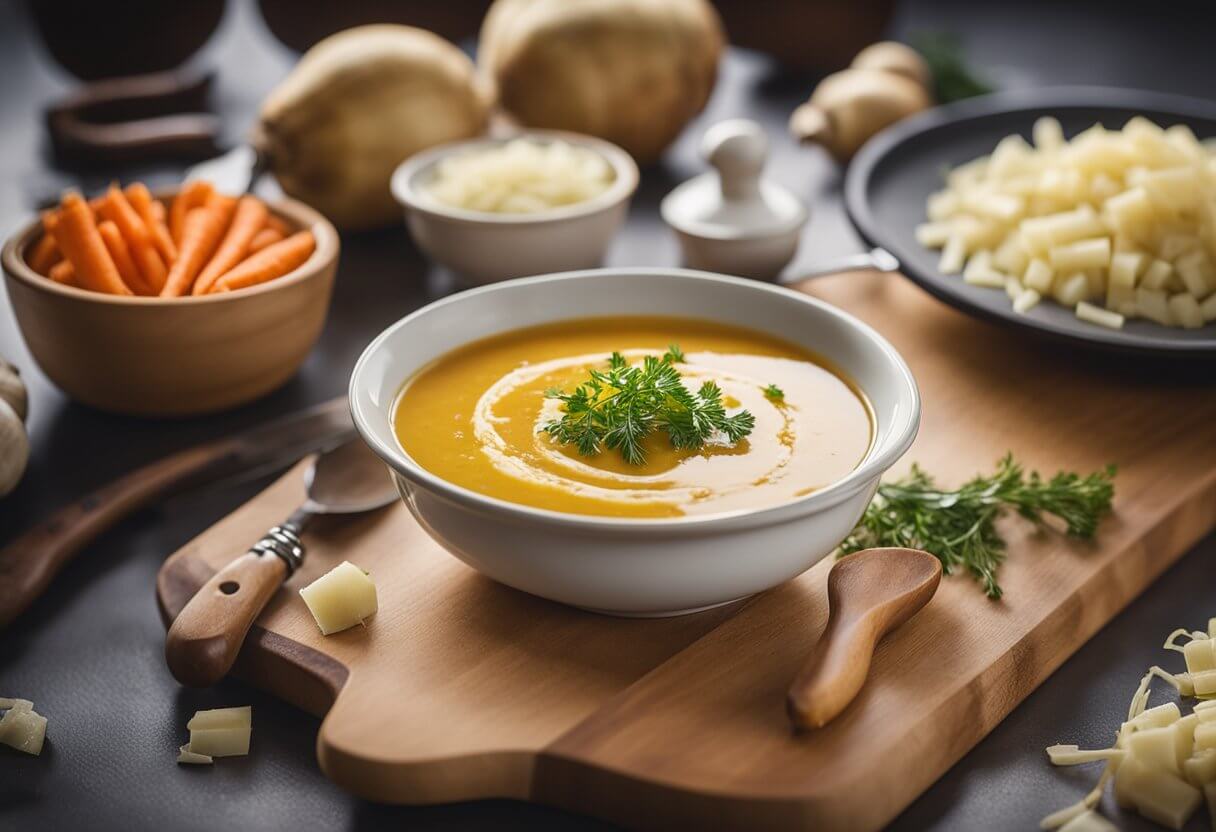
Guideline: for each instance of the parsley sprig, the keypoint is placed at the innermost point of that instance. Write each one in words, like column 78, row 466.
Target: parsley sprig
column 619, row 407
column 959, row 527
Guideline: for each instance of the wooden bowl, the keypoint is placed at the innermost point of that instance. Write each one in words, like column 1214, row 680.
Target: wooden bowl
column 174, row 356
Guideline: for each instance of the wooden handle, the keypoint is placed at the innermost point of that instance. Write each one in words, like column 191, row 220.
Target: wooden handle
column 869, row 594
column 28, row 563
column 834, row 673
column 208, row 633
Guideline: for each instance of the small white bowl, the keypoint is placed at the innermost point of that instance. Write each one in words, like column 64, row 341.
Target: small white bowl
column 626, row 566
column 485, row 247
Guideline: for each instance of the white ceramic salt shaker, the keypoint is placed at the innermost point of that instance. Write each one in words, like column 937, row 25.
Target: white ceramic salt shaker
column 730, row 219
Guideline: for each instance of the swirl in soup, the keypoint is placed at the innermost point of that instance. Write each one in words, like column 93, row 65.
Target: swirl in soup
column 477, row 418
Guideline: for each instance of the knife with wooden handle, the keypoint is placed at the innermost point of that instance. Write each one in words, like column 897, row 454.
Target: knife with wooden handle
column 31, row 561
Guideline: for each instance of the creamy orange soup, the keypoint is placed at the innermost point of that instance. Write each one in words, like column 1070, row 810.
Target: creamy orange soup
column 475, row 416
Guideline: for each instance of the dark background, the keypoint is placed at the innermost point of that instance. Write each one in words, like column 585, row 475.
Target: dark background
column 89, row 653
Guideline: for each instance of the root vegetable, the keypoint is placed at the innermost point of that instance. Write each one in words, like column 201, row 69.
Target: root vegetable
column 633, row 72
column 14, row 448
column 358, row 104
column 892, row 56
column 850, row 106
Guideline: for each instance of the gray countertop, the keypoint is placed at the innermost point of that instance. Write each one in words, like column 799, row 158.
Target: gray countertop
column 89, row 653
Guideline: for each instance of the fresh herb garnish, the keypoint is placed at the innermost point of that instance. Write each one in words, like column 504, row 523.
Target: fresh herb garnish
column 953, row 80
column 774, row 392
column 958, row 527
column 620, row 407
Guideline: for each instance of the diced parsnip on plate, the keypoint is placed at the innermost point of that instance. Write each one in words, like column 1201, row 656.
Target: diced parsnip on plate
column 1122, row 220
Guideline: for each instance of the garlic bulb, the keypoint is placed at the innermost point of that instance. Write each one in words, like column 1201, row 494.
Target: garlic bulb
column 14, row 444
column 12, row 389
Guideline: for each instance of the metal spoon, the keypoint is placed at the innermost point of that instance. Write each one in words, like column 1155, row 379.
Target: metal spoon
column 208, row 633
column 869, row 595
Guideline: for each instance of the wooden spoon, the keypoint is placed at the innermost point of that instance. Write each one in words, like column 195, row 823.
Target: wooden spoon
column 869, row 594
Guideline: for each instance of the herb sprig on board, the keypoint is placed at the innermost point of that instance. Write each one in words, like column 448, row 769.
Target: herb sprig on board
column 619, row 407
column 959, row 527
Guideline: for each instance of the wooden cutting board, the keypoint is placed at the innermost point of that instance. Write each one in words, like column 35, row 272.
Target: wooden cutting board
column 460, row 688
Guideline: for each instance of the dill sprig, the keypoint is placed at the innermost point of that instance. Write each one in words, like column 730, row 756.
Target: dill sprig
column 959, row 527
column 619, row 407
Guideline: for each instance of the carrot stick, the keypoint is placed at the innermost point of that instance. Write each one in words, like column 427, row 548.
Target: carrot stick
column 278, row 224
column 141, row 200
column 76, row 233
column 191, row 196
column 63, row 272
column 201, row 236
column 118, row 210
column 159, row 213
column 120, row 253
column 273, row 261
column 248, row 219
column 44, row 253
column 265, row 237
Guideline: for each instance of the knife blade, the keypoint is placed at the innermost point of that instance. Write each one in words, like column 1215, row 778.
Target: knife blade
column 31, row 561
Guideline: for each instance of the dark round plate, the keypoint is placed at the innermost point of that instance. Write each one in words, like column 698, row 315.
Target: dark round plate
column 889, row 181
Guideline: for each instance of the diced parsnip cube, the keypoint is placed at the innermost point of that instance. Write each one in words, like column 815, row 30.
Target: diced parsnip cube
column 1183, row 138
column 1184, row 744
column 1155, row 747
column 341, row 598
column 1205, row 685
column 1120, row 297
column 1205, row 736
column 1124, row 267
column 1206, row 714
column 979, row 272
column 1176, row 190
column 1212, row 629
column 222, row 732
column 23, row 728
column 1185, row 310
column 1102, row 187
column 1041, row 233
column 1158, row 795
column 1157, row 717
column 1208, row 309
column 1038, row 276
column 1072, row 289
column 1081, row 255
column 933, row 234
column 997, row 206
column 1155, row 150
column 1048, row 134
column 1130, row 213
column 1011, row 156
column 1173, row 246
column 1026, row 301
column 1013, row 288
column 1201, row 768
column 954, row 254
column 1010, row 257
column 1156, row 275
column 967, row 173
column 1089, row 821
column 977, row 233
column 1097, row 315
column 1195, row 269
column 942, row 205
column 1154, row 305
column 1199, row 655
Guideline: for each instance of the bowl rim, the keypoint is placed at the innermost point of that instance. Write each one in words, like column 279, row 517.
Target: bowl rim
column 12, row 257
column 883, row 453
column 405, row 188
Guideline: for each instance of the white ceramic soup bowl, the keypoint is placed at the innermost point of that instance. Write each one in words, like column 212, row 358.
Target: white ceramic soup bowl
column 484, row 247
column 630, row 566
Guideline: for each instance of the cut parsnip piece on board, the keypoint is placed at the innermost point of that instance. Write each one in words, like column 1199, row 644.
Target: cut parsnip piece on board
column 223, row 732
column 341, row 598
column 188, row 757
column 22, row 727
